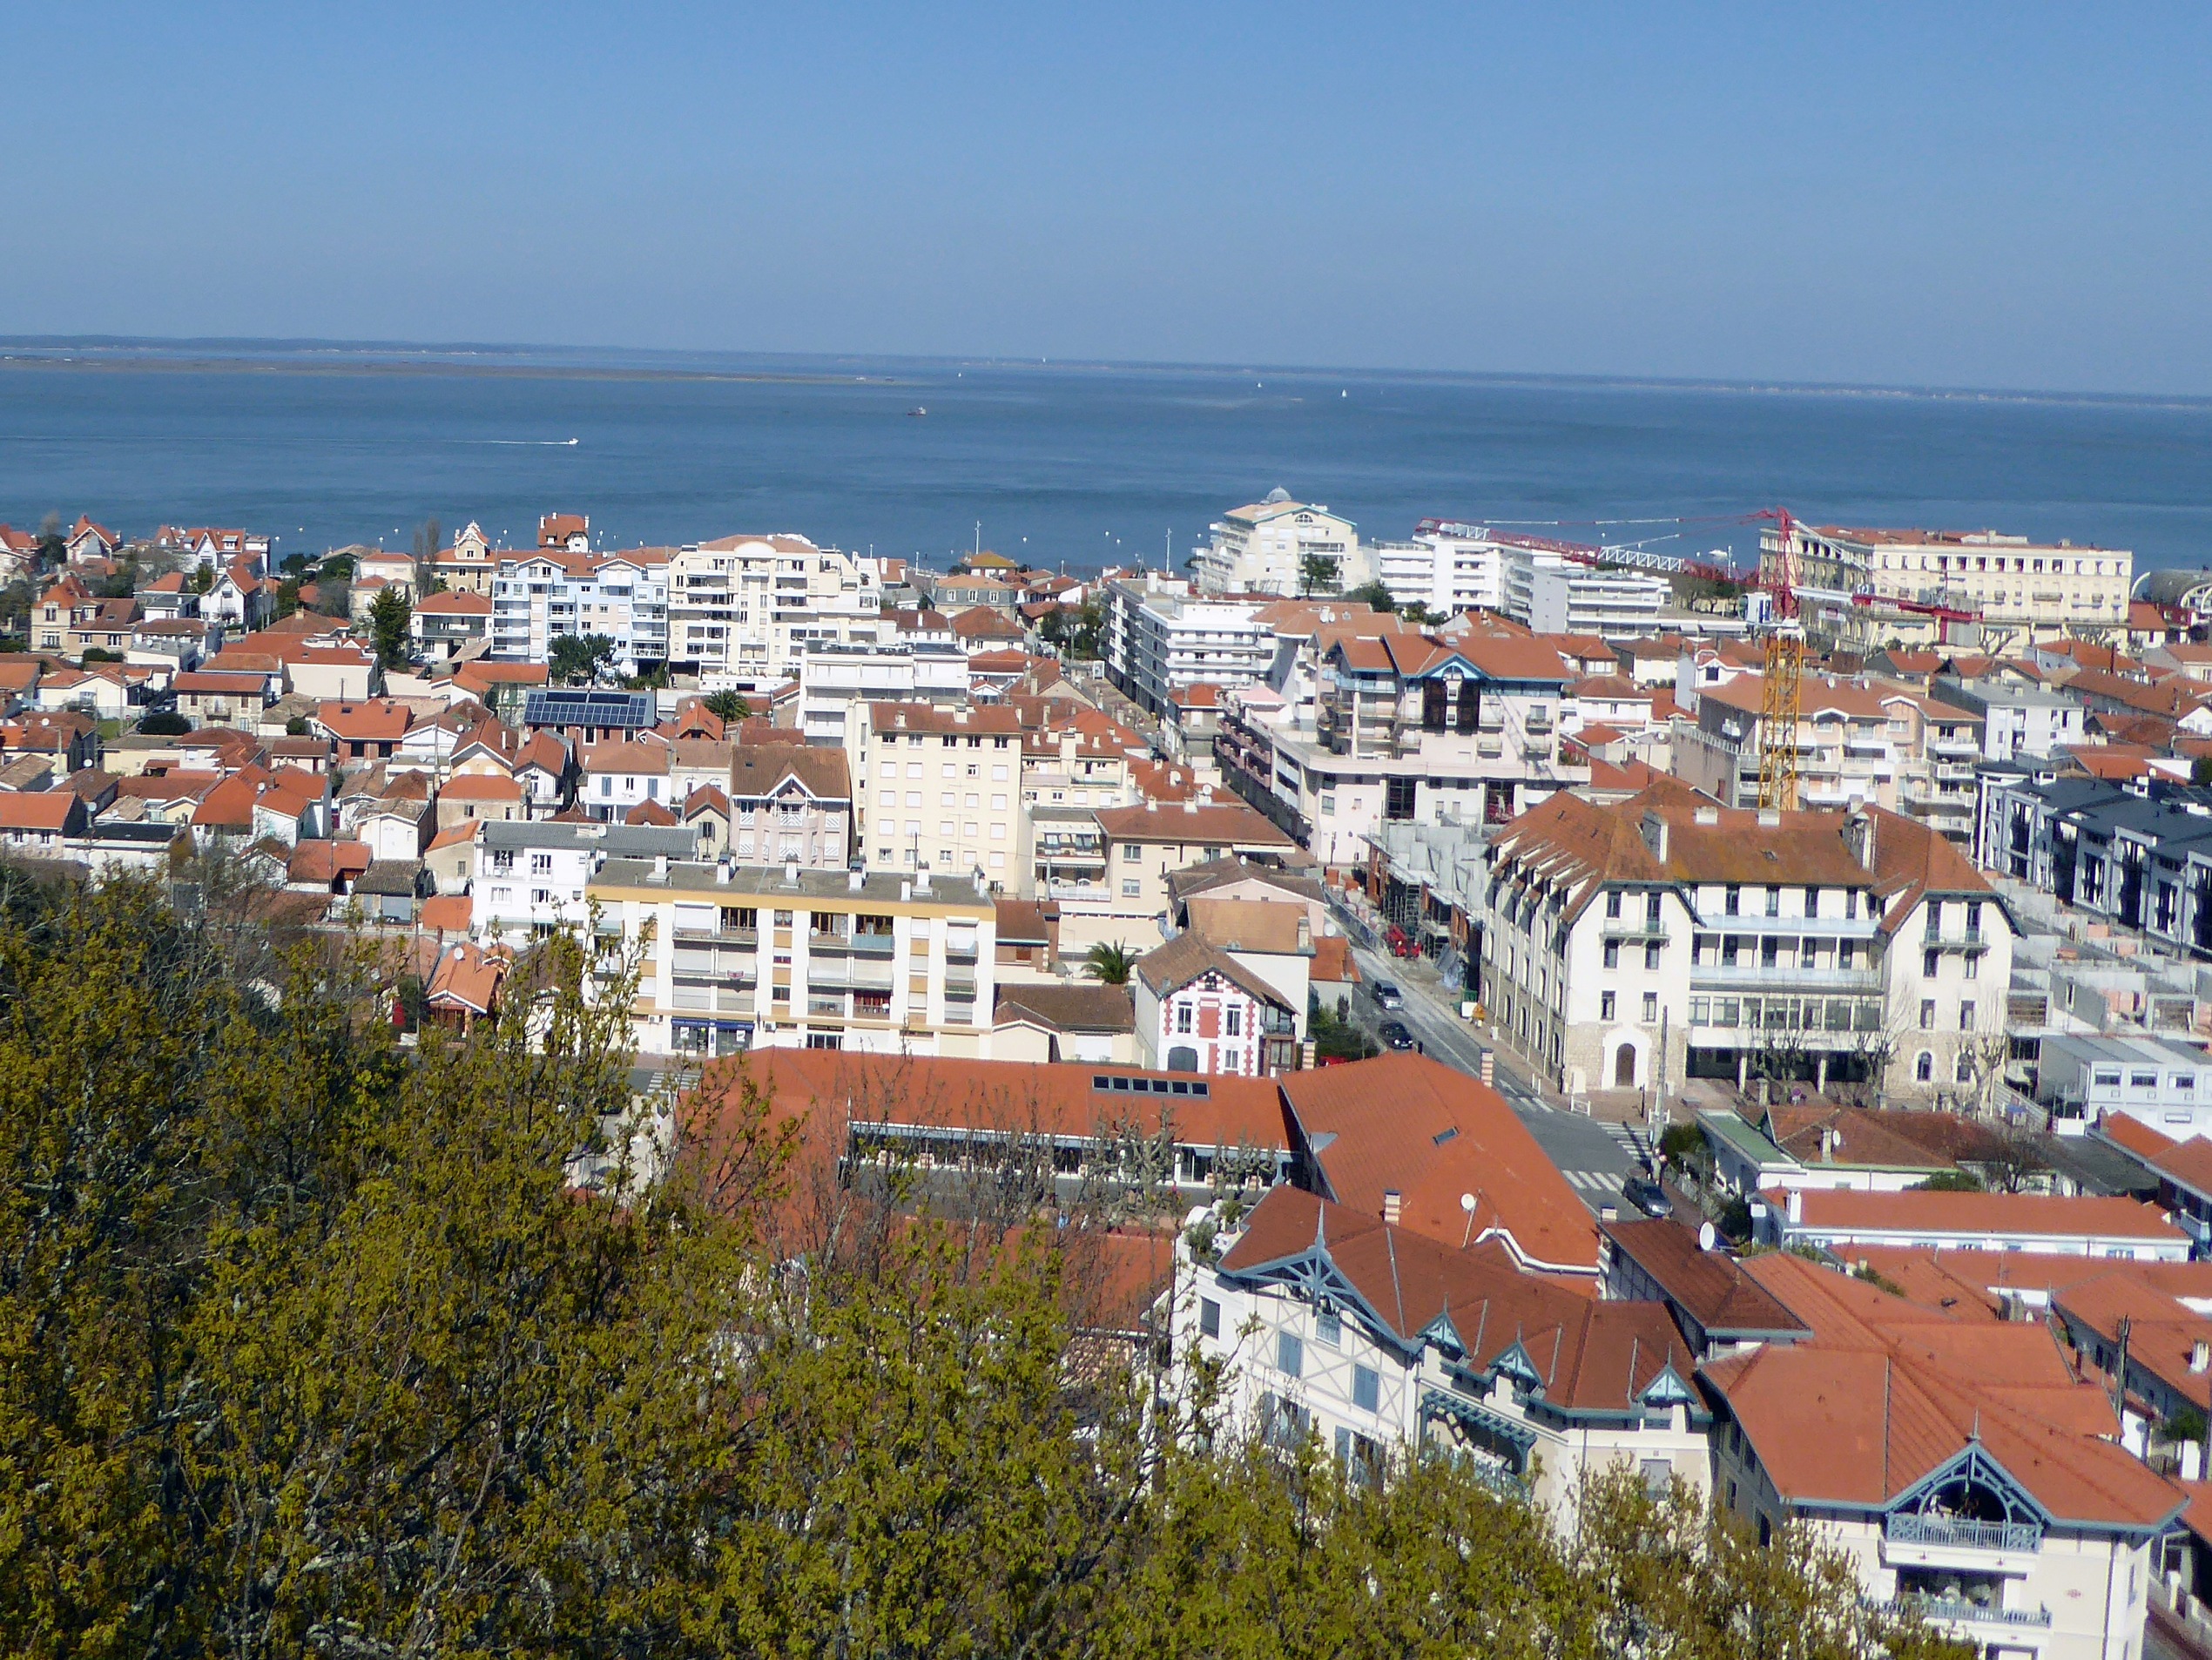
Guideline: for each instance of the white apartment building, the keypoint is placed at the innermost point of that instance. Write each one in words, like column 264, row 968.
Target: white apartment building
column 537, row 597
column 939, row 787
column 1449, row 569
column 2015, row 584
column 1412, row 729
column 1161, row 637
column 532, row 879
column 1262, row 548
column 1857, row 948
column 2018, row 720
column 743, row 609
column 838, row 679
column 1574, row 599
column 746, row 956
column 1379, row 1341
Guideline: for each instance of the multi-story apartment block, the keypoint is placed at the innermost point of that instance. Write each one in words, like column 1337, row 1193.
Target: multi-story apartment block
column 1408, row 728
column 2016, row 584
column 743, row 609
column 2018, row 720
column 1263, row 548
column 1859, row 948
column 1565, row 598
column 539, row 598
column 781, row 957
column 533, row 879
column 1848, row 747
column 836, row 679
column 940, row 787
column 1161, row 639
column 1448, row 569
column 2137, row 862
column 1139, row 847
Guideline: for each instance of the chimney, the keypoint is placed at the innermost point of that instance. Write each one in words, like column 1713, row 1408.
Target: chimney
column 1393, row 1202
column 660, row 867
column 1797, row 1207
column 853, row 879
column 1858, row 837
column 921, row 882
column 1706, row 816
column 1771, row 818
column 1655, row 834
column 791, row 873
column 722, row 869
column 906, row 891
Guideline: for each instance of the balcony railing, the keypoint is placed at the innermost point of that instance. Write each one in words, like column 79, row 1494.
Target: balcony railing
column 1938, row 1610
column 1750, row 976
column 1958, row 1533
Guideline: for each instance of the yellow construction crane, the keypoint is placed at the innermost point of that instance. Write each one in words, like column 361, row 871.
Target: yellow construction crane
column 1782, row 702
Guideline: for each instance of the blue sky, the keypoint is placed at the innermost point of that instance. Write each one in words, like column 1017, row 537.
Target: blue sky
column 2012, row 196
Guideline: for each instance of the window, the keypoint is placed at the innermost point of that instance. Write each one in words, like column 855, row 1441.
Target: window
column 1701, row 1010
column 1209, row 1317
column 1330, row 1328
column 1966, row 1015
column 1132, row 889
column 1651, row 954
column 1130, row 853
column 1923, row 1068
column 1183, row 1015
column 1236, row 1023
column 1972, row 969
column 1812, row 901
column 1367, row 1389
column 1965, row 1068
column 1774, row 902
column 1651, row 1006
column 1850, row 904
column 1732, row 902
column 1927, row 1013
column 2142, row 1080
column 1935, row 918
column 1613, row 903
column 1605, row 1005
column 1973, row 917
column 1612, row 954
column 2108, row 1080
column 1290, row 1353
column 1929, row 961
column 1658, row 1473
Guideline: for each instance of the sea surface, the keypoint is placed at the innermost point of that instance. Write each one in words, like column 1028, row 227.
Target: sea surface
column 1077, row 464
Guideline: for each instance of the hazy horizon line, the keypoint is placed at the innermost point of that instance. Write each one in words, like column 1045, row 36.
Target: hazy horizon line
column 218, row 349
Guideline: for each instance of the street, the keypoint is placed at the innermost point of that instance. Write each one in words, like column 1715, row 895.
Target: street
column 1595, row 1157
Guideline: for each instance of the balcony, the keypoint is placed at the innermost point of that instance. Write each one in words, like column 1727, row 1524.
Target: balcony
column 1956, row 1533
column 874, row 945
column 1782, row 980
column 1946, row 1610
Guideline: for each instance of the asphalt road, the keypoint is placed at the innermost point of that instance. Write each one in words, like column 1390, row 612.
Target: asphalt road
column 1595, row 1157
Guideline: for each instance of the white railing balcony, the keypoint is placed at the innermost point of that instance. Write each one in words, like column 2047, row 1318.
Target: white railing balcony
column 1959, row 1533
column 1953, row 1610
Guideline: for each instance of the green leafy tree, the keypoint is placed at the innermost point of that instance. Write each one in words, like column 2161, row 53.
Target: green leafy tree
column 389, row 615
column 726, row 706
column 577, row 659
column 1375, row 595
column 1318, row 573
column 1110, row 965
column 2201, row 771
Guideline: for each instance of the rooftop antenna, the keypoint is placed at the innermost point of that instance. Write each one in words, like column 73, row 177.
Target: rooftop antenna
column 1466, row 1203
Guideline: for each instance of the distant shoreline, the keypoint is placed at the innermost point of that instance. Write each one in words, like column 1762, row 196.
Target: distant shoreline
column 281, row 356
column 497, row 371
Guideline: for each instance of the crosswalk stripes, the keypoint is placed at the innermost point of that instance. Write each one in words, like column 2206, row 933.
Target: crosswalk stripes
column 1593, row 1181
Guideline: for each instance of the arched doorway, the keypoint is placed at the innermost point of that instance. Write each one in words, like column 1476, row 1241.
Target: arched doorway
column 1624, row 1067
column 1183, row 1058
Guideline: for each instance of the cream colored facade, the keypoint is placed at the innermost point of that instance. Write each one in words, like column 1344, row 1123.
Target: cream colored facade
column 939, row 787
column 741, row 608
column 1261, row 548
column 2013, row 582
column 768, row 958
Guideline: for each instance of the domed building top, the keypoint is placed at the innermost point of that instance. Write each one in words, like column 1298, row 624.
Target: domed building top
column 1275, row 497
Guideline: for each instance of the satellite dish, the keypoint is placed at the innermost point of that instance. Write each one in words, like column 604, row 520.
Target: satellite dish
column 1707, row 1235
column 1466, row 1203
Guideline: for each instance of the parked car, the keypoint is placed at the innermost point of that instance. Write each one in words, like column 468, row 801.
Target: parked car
column 1647, row 1196
column 1387, row 995
column 1394, row 1035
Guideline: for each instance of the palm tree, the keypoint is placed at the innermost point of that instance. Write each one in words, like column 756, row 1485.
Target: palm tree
column 1110, row 964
